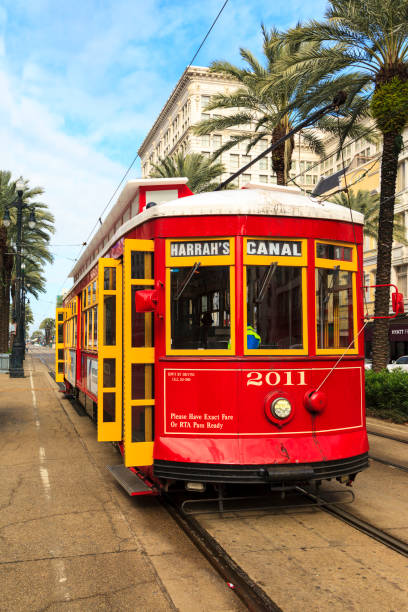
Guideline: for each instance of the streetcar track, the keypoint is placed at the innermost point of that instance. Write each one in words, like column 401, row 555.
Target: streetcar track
column 390, row 463
column 250, row 593
column 383, row 435
column 361, row 525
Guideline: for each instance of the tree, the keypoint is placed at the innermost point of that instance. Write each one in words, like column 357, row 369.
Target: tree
column 7, row 195
column 271, row 110
column 202, row 173
column 35, row 248
column 37, row 335
column 368, row 203
column 363, row 45
column 48, row 325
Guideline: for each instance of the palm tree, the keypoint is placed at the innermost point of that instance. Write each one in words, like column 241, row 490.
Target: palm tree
column 271, row 111
column 202, row 173
column 35, row 248
column 368, row 203
column 363, row 45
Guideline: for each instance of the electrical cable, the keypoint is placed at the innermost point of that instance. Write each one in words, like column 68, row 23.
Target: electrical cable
column 137, row 154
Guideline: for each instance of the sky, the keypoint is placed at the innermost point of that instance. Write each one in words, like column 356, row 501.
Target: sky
column 81, row 84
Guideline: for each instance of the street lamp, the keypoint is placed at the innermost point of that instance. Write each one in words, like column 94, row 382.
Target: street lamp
column 17, row 351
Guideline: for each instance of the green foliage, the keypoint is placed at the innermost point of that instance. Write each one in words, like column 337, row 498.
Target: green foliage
column 389, row 105
column 387, row 394
column 368, row 203
column 37, row 335
column 203, row 174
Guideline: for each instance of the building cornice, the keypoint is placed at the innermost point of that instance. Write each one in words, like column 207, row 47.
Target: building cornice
column 187, row 76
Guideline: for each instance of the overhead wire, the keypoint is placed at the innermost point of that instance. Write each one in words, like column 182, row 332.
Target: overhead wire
column 99, row 219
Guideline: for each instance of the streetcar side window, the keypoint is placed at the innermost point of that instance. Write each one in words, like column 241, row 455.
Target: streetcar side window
column 200, row 307
column 334, row 308
column 335, row 290
column 274, row 307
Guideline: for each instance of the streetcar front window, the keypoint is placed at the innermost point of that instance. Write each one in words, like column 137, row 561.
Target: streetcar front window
column 274, row 307
column 200, row 307
column 334, row 308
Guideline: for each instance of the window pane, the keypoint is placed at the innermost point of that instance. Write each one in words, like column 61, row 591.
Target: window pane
column 200, row 317
column 142, row 381
column 142, row 424
column 95, row 326
column 142, row 322
column 141, row 264
column 109, row 279
column 109, row 372
column 60, row 367
column 109, row 320
column 90, row 334
column 109, row 408
column 333, row 251
column 60, row 334
column 334, row 308
column 274, row 307
column 61, row 354
column 94, row 291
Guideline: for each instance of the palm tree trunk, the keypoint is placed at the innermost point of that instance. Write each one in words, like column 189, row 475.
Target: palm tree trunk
column 389, row 167
column 6, row 264
column 278, row 156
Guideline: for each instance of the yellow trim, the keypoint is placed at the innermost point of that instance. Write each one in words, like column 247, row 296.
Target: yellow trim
column 59, row 376
column 340, row 350
column 137, row 453
column 206, row 260
column 231, row 350
column 266, row 260
column 331, row 263
column 305, row 349
column 109, row 432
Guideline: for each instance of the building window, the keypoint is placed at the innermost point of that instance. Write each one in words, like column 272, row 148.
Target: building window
column 205, row 100
column 245, row 159
column 246, row 178
column 402, row 272
column 205, row 141
column 205, row 153
column 234, row 161
column 205, row 116
column 263, row 178
column 263, row 163
column 217, row 141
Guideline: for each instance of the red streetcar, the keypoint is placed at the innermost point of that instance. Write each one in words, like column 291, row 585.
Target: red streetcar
column 204, row 334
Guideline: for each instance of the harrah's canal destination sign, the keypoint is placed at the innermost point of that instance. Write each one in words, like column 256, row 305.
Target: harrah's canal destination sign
column 279, row 248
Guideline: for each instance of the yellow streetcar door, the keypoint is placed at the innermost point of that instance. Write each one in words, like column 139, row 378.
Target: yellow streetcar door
column 60, row 317
column 138, row 350
column 109, row 350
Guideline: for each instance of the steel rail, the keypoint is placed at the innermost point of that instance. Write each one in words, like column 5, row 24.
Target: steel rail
column 247, row 590
column 361, row 525
column 390, row 463
column 382, row 435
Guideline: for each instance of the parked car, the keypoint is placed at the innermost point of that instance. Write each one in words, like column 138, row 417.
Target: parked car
column 401, row 362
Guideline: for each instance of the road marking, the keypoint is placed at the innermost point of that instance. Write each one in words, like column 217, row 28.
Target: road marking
column 58, row 564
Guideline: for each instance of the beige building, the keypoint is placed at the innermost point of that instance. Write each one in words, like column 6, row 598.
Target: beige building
column 172, row 132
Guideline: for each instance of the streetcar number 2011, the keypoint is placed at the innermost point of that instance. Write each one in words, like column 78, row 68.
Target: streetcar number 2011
column 272, row 379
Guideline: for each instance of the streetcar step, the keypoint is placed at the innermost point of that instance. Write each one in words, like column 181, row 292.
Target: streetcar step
column 130, row 481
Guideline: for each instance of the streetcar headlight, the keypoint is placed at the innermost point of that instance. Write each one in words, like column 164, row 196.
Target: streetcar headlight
column 281, row 408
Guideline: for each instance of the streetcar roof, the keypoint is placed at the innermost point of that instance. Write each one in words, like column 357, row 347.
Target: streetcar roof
column 253, row 199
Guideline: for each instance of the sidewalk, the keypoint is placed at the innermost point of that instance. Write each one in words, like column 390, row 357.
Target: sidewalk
column 71, row 539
